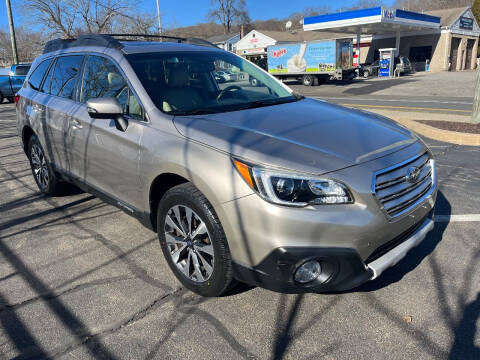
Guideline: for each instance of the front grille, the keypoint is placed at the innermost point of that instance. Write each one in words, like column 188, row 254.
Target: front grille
column 383, row 249
column 395, row 193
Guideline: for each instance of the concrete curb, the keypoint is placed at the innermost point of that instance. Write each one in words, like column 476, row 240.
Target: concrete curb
column 431, row 132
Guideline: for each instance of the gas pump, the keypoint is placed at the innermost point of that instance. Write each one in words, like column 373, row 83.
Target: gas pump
column 387, row 62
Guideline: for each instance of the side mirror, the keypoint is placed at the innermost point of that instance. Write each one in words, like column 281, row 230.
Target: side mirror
column 107, row 108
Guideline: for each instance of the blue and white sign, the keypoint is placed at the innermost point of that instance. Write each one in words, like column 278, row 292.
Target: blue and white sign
column 388, row 14
column 371, row 19
column 384, row 67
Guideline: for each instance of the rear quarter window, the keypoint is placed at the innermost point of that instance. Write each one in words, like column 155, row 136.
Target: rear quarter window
column 35, row 78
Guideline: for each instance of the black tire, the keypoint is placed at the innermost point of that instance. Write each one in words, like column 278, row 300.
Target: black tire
column 1, row 98
column 221, row 278
column 50, row 185
column 11, row 99
column 307, row 80
column 366, row 74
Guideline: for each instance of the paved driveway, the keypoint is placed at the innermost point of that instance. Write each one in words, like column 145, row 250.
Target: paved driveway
column 81, row 279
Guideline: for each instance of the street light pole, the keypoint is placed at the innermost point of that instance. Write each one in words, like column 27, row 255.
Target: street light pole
column 159, row 18
column 12, row 32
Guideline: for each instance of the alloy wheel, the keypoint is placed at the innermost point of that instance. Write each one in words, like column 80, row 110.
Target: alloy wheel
column 189, row 243
column 39, row 165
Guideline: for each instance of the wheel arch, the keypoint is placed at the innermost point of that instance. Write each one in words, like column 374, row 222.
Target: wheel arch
column 160, row 185
column 27, row 133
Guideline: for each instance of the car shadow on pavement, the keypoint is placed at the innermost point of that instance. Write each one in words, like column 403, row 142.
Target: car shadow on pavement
column 416, row 255
column 375, row 86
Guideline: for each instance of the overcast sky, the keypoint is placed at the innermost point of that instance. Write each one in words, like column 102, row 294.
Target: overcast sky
column 189, row 12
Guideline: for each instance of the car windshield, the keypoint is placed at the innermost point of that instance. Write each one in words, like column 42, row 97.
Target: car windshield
column 184, row 83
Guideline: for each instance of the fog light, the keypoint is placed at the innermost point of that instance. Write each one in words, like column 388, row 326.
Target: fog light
column 307, row 272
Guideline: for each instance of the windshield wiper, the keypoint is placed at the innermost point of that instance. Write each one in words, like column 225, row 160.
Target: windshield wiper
column 195, row 112
column 277, row 101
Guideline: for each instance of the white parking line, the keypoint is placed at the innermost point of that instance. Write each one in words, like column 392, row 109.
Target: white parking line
column 457, row 218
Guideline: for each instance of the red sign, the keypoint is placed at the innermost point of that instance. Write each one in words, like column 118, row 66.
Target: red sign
column 278, row 53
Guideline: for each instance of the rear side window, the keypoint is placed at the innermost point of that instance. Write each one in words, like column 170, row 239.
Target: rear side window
column 22, row 70
column 35, row 79
column 65, row 76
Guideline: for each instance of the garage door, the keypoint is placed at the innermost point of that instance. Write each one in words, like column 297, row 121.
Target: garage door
column 454, row 53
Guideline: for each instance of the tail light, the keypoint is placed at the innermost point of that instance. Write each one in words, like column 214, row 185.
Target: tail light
column 16, row 98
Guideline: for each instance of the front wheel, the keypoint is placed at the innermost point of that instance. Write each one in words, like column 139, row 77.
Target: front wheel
column 193, row 241
column 366, row 74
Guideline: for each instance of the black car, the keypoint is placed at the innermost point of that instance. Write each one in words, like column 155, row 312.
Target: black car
column 371, row 69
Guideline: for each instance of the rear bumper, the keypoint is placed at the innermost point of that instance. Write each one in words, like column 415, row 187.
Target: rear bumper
column 342, row 268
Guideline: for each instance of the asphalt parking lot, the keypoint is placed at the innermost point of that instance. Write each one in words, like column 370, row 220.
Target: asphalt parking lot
column 439, row 93
column 81, row 279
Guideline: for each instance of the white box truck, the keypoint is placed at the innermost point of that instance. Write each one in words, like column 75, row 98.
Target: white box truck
column 312, row 62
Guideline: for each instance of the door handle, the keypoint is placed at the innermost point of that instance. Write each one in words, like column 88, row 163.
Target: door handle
column 76, row 124
column 37, row 108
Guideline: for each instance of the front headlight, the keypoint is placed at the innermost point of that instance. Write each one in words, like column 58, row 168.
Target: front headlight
column 293, row 189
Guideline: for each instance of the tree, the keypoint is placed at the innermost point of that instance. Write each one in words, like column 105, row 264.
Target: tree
column 67, row 18
column 425, row 5
column 229, row 13
column 476, row 10
column 98, row 15
column 30, row 45
column 364, row 4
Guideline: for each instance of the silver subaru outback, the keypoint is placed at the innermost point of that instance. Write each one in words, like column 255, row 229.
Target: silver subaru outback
column 242, row 180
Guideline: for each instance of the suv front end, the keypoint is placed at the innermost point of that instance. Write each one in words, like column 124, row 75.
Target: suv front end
column 328, row 246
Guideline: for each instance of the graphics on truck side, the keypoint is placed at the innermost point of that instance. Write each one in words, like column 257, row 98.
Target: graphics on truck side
column 302, row 57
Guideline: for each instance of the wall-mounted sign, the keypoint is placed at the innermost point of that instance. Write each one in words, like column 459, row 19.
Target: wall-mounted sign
column 388, row 14
column 253, row 51
column 466, row 23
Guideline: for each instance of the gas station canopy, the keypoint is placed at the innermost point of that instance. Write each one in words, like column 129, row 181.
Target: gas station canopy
column 373, row 21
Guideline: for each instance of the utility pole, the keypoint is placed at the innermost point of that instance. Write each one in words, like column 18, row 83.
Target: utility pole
column 159, row 18
column 12, row 32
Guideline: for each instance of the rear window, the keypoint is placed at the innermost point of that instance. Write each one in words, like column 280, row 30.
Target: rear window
column 65, row 76
column 22, row 70
column 35, row 79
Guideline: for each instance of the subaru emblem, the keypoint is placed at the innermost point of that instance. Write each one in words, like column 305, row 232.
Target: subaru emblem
column 413, row 173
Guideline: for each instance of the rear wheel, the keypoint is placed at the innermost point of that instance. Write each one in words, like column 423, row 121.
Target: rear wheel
column 193, row 241
column 42, row 171
column 1, row 98
column 366, row 74
column 307, row 80
column 10, row 99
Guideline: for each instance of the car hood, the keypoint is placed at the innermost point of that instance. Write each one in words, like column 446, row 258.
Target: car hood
column 307, row 135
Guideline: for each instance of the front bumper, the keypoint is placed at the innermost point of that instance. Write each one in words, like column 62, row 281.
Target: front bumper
column 342, row 268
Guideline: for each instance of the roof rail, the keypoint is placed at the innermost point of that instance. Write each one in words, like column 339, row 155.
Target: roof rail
column 114, row 41
column 189, row 40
